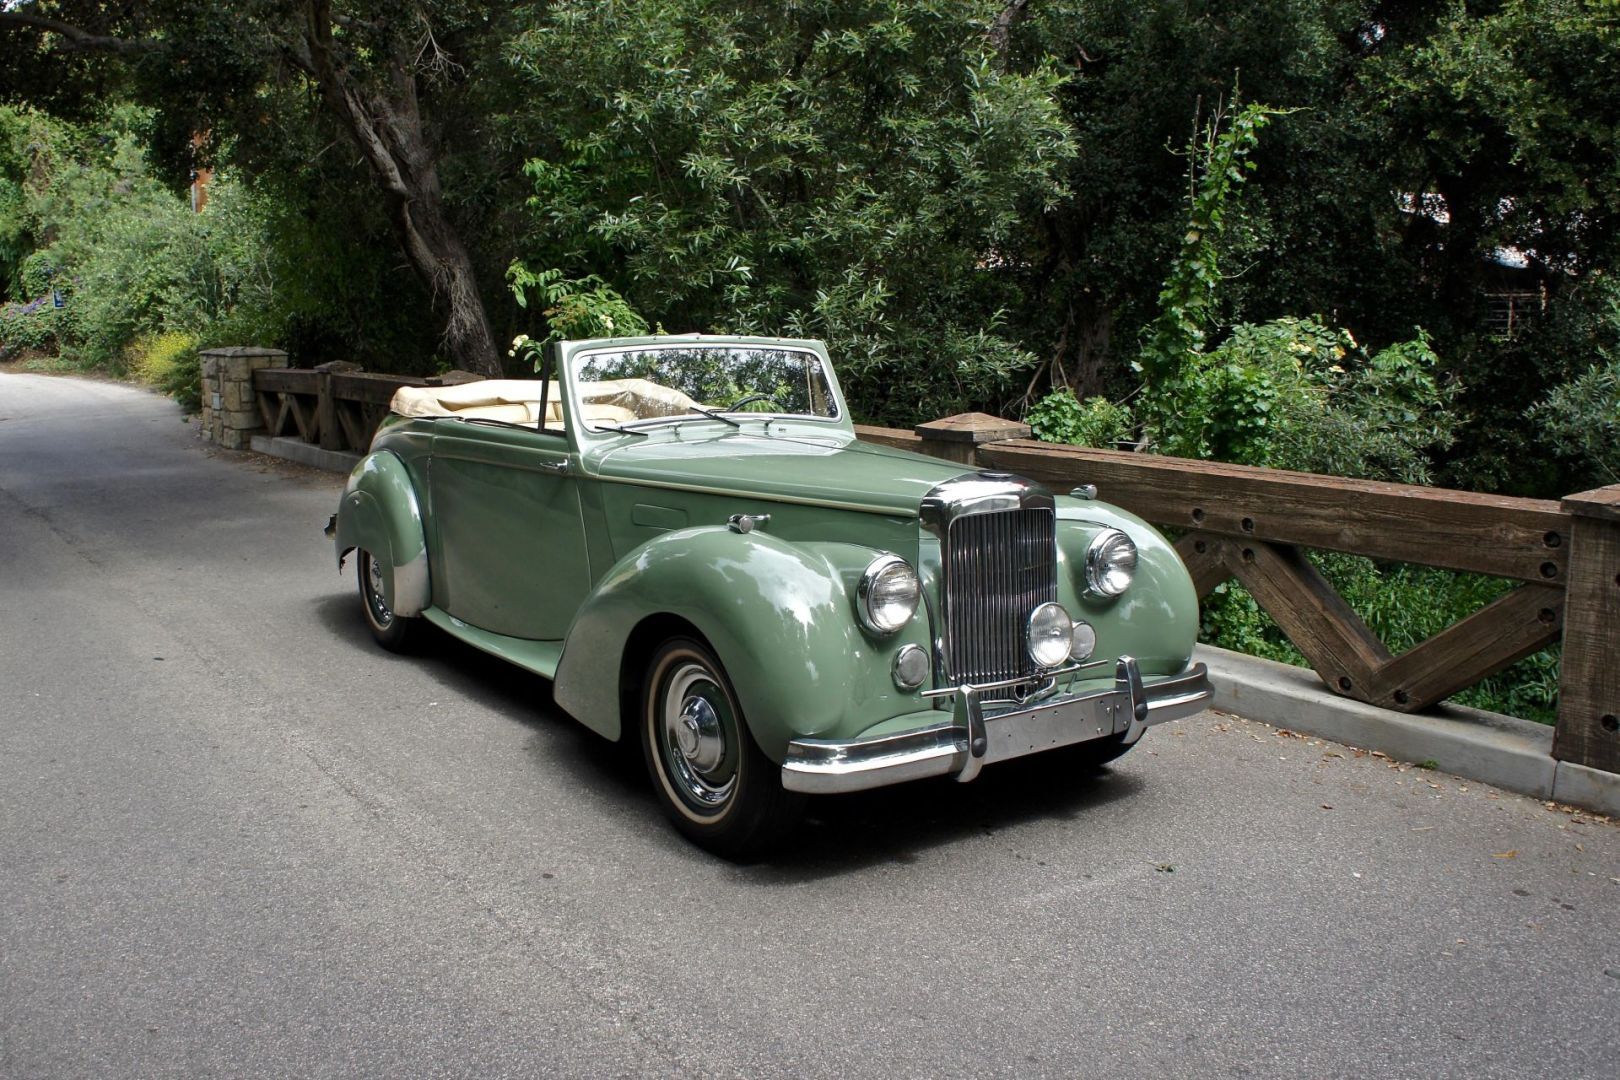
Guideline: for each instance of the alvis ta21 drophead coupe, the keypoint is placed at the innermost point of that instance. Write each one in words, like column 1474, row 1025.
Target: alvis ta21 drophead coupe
column 685, row 536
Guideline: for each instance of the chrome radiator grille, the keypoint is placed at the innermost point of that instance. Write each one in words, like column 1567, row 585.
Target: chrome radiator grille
column 998, row 567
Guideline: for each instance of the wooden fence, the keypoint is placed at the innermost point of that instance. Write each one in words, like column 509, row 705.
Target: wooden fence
column 1254, row 524
column 335, row 406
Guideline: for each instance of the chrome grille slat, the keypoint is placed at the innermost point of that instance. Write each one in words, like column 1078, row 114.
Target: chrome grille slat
column 998, row 566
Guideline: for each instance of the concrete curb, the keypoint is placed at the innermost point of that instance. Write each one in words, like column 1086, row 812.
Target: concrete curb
column 304, row 453
column 1501, row 750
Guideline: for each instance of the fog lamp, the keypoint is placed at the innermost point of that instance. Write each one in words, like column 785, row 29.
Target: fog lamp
column 1050, row 634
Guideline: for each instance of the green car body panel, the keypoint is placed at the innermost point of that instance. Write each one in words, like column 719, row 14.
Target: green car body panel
column 380, row 513
column 601, row 542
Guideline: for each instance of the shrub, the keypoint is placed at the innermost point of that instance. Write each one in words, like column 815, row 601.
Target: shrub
column 1298, row 394
column 32, row 326
column 169, row 362
column 1581, row 419
column 1061, row 417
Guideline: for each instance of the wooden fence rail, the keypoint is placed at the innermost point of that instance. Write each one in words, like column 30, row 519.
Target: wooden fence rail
column 1251, row 524
column 1254, row 525
column 336, row 406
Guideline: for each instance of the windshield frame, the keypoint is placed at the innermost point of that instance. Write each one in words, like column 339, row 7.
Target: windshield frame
column 573, row 353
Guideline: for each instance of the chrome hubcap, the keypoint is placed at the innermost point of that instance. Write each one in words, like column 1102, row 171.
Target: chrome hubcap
column 374, row 593
column 699, row 736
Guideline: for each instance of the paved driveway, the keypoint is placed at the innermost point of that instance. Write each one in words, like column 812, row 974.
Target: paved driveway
column 236, row 839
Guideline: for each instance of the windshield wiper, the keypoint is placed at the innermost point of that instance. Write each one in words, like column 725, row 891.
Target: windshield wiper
column 716, row 414
column 491, row 421
column 621, row 429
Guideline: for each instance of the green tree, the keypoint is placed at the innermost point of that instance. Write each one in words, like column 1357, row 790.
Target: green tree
column 857, row 171
column 387, row 75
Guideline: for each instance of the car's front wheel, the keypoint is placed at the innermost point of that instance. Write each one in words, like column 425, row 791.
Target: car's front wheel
column 713, row 780
column 393, row 632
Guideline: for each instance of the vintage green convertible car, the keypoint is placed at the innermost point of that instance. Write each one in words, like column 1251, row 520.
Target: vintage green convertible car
column 685, row 536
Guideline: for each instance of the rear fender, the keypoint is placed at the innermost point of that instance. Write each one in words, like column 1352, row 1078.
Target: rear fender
column 779, row 616
column 379, row 513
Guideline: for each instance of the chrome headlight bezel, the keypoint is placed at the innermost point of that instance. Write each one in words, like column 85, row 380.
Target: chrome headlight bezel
column 1111, row 560
column 878, row 575
column 1048, row 635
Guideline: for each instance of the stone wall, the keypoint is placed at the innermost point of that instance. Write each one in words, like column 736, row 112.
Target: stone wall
column 230, row 411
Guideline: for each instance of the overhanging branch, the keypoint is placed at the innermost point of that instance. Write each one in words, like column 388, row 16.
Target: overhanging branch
column 74, row 38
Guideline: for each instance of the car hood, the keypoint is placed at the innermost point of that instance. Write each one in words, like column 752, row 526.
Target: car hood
column 824, row 470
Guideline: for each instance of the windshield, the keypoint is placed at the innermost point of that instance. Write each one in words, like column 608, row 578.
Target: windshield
column 644, row 383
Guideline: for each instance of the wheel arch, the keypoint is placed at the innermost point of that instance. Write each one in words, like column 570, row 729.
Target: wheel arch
column 380, row 513
column 779, row 616
column 639, row 646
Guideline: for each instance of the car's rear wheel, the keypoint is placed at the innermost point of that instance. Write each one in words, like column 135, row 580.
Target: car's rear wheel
column 712, row 779
column 393, row 632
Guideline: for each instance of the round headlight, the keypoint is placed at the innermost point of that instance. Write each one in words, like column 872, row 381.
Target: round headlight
column 886, row 598
column 1110, row 563
column 1050, row 633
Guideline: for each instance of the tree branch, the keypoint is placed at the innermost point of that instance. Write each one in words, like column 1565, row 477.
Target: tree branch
column 1001, row 29
column 76, row 39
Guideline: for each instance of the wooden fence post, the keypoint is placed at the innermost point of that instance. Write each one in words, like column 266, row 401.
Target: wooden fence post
column 958, row 438
column 1589, row 677
column 326, row 407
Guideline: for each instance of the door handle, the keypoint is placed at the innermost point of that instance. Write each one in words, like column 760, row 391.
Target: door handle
column 558, row 468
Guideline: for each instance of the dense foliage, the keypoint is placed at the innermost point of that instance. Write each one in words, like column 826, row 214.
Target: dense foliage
column 976, row 202
column 854, row 172
column 1353, row 236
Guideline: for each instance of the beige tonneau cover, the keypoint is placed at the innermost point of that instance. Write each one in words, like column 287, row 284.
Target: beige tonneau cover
column 517, row 401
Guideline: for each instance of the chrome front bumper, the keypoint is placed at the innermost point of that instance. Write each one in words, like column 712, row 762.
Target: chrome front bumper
column 973, row 738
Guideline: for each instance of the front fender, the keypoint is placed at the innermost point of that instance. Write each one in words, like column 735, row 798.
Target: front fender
column 1156, row 619
column 779, row 616
column 380, row 513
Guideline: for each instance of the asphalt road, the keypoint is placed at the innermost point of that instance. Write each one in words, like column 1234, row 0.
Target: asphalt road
column 236, row 839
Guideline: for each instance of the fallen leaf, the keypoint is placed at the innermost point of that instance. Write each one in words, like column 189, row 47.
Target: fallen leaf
column 1325, row 806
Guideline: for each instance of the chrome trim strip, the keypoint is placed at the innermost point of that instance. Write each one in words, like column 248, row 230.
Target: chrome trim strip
column 973, row 739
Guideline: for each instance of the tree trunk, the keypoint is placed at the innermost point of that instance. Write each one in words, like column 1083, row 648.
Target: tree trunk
column 441, row 260
column 385, row 123
column 1089, row 376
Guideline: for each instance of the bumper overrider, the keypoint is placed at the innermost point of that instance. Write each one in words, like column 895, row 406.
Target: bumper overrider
column 982, row 731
